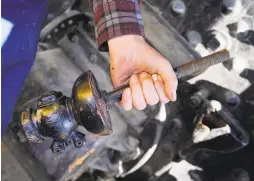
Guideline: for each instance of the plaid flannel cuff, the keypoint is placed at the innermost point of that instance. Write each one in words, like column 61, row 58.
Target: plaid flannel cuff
column 114, row 18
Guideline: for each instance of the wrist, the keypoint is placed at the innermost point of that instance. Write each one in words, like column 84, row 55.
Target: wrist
column 124, row 40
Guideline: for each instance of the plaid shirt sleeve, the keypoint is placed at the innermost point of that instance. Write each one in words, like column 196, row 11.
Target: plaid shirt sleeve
column 114, row 18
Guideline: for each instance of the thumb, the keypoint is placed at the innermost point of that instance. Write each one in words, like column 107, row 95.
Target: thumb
column 168, row 76
column 118, row 78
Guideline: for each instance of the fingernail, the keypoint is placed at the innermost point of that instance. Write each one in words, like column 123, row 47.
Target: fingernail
column 155, row 77
column 173, row 96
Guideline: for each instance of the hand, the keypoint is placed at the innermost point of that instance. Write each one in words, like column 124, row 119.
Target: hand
column 149, row 74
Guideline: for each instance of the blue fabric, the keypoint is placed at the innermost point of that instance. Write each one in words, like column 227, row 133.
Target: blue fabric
column 19, row 50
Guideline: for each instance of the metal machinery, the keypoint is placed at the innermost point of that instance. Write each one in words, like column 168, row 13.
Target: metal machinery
column 207, row 134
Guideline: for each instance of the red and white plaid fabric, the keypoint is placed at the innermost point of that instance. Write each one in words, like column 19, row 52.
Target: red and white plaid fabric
column 115, row 18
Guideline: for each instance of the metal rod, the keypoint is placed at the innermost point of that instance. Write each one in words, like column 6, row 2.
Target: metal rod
column 202, row 64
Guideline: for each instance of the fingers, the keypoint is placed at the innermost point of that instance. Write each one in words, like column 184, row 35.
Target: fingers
column 126, row 102
column 169, row 79
column 138, row 100
column 144, row 89
column 149, row 92
column 158, row 83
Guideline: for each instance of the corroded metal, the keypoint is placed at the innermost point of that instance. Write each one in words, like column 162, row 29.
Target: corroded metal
column 52, row 118
column 57, row 116
column 90, row 106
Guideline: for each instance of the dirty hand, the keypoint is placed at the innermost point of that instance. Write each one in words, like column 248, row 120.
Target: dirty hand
column 149, row 74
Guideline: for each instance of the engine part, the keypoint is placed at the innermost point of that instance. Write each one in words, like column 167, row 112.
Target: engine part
column 232, row 99
column 56, row 29
column 161, row 118
column 53, row 118
column 225, row 124
column 178, row 7
column 193, row 37
column 236, row 174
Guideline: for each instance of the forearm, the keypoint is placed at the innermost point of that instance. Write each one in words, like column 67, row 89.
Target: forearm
column 115, row 18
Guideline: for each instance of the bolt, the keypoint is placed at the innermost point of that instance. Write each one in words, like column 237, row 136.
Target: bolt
column 49, row 37
column 57, row 151
column 55, row 30
column 232, row 99
column 218, row 40
column 50, row 16
column 178, row 7
column 232, row 28
column 193, row 37
column 212, row 44
column 70, row 22
column 62, row 25
column 195, row 101
column 66, row 4
column 57, row 148
column 77, row 142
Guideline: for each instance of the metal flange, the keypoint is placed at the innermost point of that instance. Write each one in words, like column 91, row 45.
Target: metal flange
column 61, row 25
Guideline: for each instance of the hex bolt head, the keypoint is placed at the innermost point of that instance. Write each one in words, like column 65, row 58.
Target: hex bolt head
column 194, row 38
column 49, row 37
column 178, row 7
column 232, row 29
column 213, row 44
column 62, row 25
column 232, row 99
column 50, row 16
column 70, row 22
column 217, row 40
